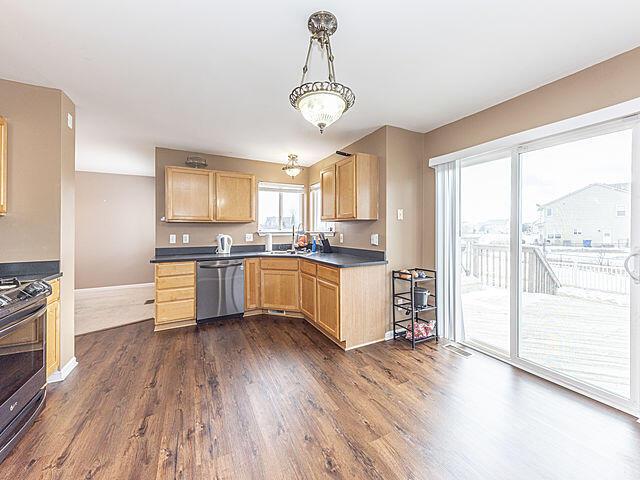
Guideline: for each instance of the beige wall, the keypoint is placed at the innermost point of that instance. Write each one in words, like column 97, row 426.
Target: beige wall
column 358, row 234
column 608, row 83
column 114, row 229
column 31, row 229
column 67, row 230
column 40, row 223
column 205, row 234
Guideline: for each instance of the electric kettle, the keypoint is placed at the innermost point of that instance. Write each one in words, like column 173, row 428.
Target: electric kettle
column 224, row 243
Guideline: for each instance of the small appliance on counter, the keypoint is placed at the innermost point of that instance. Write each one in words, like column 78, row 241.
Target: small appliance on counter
column 224, row 243
column 268, row 243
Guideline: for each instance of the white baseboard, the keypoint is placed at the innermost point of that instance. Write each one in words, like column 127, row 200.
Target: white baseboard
column 115, row 287
column 60, row 375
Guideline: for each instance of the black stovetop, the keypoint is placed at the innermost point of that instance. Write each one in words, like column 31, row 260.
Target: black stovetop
column 16, row 295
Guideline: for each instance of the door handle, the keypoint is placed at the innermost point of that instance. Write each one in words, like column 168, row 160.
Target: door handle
column 632, row 273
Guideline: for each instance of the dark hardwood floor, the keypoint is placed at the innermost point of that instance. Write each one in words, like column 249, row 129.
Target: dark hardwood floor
column 272, row 398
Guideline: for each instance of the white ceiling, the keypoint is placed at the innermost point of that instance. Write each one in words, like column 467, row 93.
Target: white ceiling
column 215, row 76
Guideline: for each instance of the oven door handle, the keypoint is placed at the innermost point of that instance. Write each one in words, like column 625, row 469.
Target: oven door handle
column 6, row 330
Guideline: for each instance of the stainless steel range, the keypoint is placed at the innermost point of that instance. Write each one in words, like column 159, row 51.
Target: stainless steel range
column 23, row 309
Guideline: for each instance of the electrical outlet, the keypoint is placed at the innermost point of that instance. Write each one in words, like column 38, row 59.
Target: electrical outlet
column 342, row 238
column 375, row 240
column 185, row 238
column 172, row 238
column 401, row 214
column 248, row 237
column 70, row 121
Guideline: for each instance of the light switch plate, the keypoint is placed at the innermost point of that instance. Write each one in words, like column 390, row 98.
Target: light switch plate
column 172, row 238
column 342, row 238
column 401, row 214
column 248, row 237
column 375, row 240
column 185, row 238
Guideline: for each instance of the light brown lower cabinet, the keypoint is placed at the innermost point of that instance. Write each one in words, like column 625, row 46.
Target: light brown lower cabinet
column 175, row 295
column 328, row 316
column 52, row 353
column 308, row 295
column 279, row 289
column 251, row 284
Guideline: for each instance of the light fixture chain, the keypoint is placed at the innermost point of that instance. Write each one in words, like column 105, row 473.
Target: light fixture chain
column 332, row 73
column 306, row 62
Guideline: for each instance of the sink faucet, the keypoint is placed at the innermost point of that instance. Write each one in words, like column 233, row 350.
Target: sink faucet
column 294, row 235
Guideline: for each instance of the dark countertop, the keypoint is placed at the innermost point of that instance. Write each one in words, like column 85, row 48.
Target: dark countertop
column 339, row 260
column 45, row 277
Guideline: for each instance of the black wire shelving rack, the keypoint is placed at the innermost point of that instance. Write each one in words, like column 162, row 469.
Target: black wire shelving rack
column 404, row 302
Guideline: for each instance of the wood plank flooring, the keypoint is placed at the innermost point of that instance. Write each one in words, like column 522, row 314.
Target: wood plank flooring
column 272, row 398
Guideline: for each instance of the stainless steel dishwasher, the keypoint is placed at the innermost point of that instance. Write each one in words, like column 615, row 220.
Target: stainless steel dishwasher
column 220, row 289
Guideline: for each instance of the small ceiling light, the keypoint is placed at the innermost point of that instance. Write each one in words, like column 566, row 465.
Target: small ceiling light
column 292, row 168
column 322, row 103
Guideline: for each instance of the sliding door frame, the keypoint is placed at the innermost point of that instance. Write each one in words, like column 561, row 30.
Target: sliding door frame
column 631, row 405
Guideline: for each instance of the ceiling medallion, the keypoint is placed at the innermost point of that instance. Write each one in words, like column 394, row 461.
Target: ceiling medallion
column 292, row 168
column 322, row 103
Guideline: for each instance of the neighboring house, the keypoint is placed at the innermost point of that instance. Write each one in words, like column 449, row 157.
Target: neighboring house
column 596, row 215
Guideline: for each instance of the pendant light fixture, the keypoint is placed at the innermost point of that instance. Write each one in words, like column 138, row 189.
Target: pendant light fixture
column 292, row 168
column 322, row 103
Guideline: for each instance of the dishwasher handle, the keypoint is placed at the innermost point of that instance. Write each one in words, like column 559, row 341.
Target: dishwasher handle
column 212, row 267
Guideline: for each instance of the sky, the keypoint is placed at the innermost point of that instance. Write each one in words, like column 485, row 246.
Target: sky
column 547, row 174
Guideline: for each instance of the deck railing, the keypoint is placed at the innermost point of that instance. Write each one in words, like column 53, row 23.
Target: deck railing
column 592, row 277
column 490, row 265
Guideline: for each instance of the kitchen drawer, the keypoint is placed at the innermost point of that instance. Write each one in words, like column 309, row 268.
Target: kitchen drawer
column 173, row 311
column 329, row 274
column 169, row 269
column 188, row 293
column 55, row 291
column 165, row 283
column 308, row 267
column 279, row 263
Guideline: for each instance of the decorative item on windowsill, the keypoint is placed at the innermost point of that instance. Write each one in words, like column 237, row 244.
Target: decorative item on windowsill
column 292, row 168
column 195, row 161
column 322, row 103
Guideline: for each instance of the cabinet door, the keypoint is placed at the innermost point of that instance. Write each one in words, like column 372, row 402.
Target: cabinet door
column 308, row 295
column 53, row 337
column 279, row 289
column 328, row 311
column 235, row 197
column 188, row 195
column 328, row 193
column 346, row 192
column 251, row 284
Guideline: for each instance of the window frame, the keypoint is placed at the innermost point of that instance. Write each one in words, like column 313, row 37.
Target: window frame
column 313, row 219
column 281, row 188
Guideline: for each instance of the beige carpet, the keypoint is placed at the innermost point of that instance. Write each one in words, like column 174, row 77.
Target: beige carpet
column 99, row 309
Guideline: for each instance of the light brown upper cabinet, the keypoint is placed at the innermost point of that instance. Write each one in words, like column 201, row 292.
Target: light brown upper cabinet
column 350, row 189
column 3, row 166
column 235, row 197
column 328, row 193
column 193, row 195
column 189, row 195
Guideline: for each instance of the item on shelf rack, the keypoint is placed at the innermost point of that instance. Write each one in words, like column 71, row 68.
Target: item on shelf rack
column 405, row 274
column 422, row 330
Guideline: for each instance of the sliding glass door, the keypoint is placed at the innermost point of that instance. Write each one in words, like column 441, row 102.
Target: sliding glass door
column 485, row 192
column 575, row 307
column 546, row 246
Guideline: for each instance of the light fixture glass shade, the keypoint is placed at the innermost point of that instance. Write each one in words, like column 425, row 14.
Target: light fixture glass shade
column 322, row 108
column 292, row 168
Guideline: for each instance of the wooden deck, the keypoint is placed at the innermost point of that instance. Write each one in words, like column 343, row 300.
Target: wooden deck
column 585, row 339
